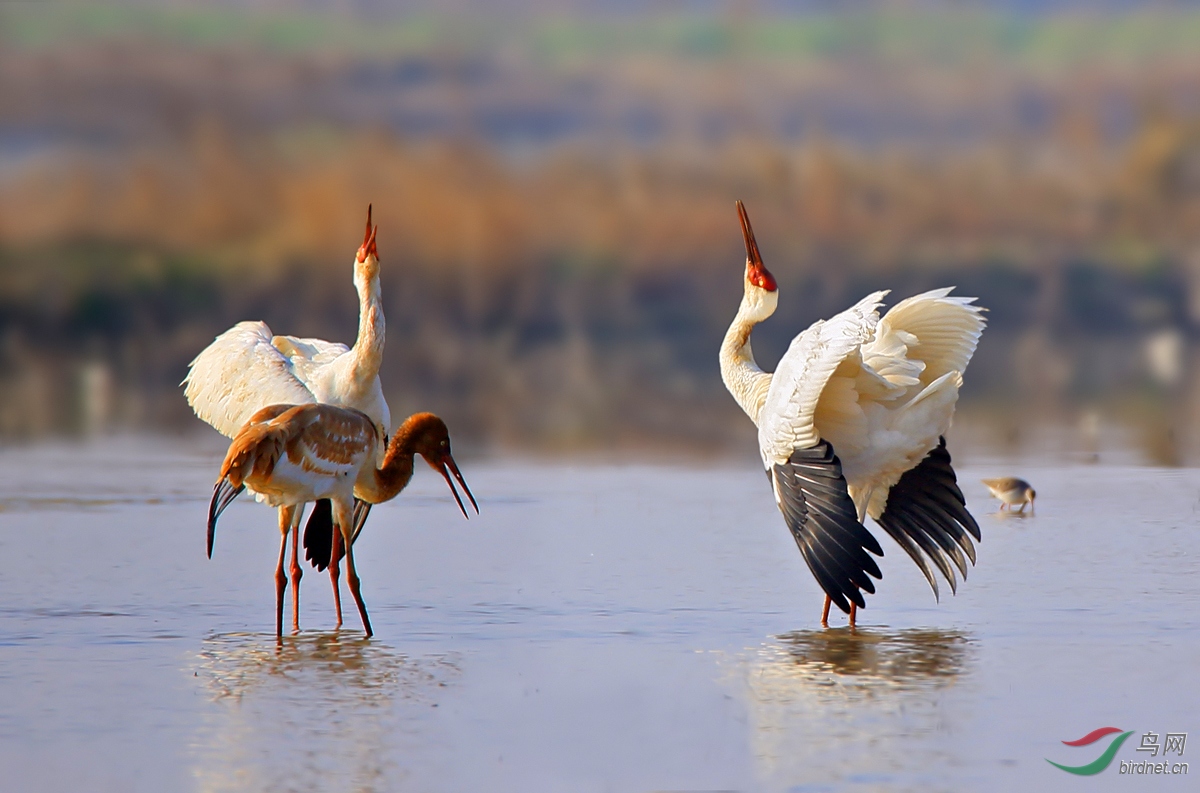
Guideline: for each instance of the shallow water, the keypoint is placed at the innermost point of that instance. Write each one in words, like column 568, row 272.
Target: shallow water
column 595, row 628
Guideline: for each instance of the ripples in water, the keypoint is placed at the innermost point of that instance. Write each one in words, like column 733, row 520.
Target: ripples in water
column 87, row 503
column 816, row 698
column 310, row 712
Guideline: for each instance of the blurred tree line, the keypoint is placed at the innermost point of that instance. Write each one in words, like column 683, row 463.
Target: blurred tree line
column 573, row 293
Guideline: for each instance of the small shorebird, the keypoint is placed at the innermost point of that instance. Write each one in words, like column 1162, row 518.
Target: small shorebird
column 247, row 368
column 293, row 454
column 851, row 424
column 1012, row 491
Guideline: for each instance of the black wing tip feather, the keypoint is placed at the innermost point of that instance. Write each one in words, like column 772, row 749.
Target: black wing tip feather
column 362, row 510
column 824, row 522
column 927, row 512
column 223, row 494
column 318, row 534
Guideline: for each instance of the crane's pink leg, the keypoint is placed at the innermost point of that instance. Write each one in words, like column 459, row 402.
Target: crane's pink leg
column 342, row 514
column 334, row 572
column 825, row 612
column 295, row 569
column 285, row 523
column 853, row 612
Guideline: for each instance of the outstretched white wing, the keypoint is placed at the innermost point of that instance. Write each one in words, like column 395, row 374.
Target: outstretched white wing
column 885, row 406
column 787, row 419
column 805, row 473
column 240, row 373
column 308, row 357
column 315, row 350
column 936, row 330
column 852, row 426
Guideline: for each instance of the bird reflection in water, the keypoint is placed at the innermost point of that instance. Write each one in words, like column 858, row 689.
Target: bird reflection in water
column 906, row 658
column 825, row 705
column 314, row 711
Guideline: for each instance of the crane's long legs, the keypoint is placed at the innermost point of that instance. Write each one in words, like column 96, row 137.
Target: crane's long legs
column 352, row 580
column 334, row 572
column 294, row 568
column 825, row 612
column 285, row 524
column 344, row 523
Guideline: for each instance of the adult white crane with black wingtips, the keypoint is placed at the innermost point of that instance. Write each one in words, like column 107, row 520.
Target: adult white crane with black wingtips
column 292, row 454
column 852, row 424
column 247, row 368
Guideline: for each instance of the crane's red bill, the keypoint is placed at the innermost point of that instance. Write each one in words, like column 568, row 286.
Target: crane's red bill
column 368, row 247
column 756, row 272
column 445, row 467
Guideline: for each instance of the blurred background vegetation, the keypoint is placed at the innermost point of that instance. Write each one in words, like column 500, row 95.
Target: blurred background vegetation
column 554, row 186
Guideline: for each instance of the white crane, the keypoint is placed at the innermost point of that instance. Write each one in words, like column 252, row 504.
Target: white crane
column 292, row 454
column 852, row 424
column 247, row 368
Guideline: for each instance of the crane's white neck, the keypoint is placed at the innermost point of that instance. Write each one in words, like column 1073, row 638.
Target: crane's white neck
column 368, row 347
column 742, row 376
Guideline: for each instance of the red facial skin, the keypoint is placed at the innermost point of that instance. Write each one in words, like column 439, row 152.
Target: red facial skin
column 760, row 277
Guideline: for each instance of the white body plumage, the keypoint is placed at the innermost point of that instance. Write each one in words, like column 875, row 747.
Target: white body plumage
column 247, row 368
column 852, row 424
column 881, row 391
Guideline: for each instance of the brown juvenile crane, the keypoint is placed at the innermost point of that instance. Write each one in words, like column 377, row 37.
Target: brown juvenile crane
column 247, row 368
column 293, row 454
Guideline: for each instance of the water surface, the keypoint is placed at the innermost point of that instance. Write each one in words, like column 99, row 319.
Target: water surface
column 596, row 628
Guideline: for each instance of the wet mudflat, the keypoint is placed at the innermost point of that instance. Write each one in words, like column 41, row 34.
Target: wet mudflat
column 596, row 628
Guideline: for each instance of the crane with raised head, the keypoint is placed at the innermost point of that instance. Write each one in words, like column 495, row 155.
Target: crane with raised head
column 247, row 368
column 852, row 424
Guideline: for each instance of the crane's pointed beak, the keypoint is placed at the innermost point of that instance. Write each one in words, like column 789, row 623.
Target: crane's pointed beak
column 756, row 272
column 445, row 467
column 752, row 254
column 368, row 245
column 223, row 493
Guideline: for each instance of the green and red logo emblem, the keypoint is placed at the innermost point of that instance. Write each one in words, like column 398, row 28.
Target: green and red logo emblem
column 1100, row 763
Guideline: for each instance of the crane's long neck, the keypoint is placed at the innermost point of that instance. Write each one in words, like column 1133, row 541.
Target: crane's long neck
column 367, row 353
column 386, row 481
column 743, row 377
